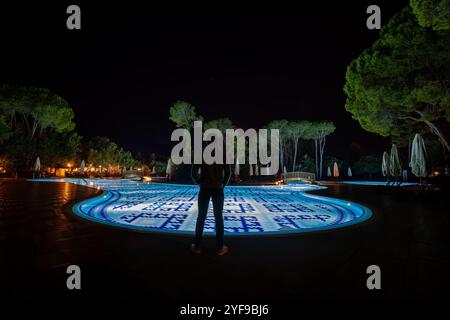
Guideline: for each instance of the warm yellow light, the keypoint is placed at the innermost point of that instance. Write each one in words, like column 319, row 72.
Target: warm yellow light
column 69, row 165
column 436, row 173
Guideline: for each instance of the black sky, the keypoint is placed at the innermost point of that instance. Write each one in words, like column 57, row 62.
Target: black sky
column 130, row 63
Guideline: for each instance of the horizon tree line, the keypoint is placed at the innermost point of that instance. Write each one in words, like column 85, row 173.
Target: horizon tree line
column 183, row 114
column 35, row 122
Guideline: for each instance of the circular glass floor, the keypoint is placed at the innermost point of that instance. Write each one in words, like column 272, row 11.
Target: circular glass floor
column 248, row 210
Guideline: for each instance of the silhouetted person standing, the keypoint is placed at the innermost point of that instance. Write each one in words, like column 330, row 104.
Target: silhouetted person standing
column 212, row 179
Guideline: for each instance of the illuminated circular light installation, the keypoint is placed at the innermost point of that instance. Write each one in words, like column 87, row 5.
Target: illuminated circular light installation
column 248, row 210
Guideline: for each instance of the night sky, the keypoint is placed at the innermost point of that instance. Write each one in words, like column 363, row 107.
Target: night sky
column 130, row 63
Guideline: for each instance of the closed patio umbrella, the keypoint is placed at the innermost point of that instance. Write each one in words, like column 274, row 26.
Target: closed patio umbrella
column 349, row 172
column 256, row 170
column 335, row 170
column 250, row 172
column 395, row 168
column 418, row 162
column 154, row 170
column 82, row 166
column 385, row 164
column 236, row 168
column 329, row 172
column 37, row 165
column 169, row 167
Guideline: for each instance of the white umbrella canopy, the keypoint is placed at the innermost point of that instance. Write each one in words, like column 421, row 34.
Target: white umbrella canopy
column 169, row 167
column 236, row 168
column 328, row 171
column 250, row 172
column 418, row 162
column 335, row 170
column 349, row 172
column 37, row 164
column 385, row 164
column 82, row 166
column 395, row 168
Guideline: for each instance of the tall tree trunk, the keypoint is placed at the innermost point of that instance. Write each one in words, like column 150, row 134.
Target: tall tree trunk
column 317, row 158
column 34, row 128
column 295, row 153
column 26, row 122
column 433, row 128
column 438, row 132
column 322, row 148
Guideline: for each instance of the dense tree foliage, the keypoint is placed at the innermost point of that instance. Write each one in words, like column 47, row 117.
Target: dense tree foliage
column 367, row 167
column 5, row 130
column 221, row 124
column 101, row 152
column 432, row 13
column 35, row 122
column 33, row 110
column 402, row 80
column 183, row 114
column 57, row 149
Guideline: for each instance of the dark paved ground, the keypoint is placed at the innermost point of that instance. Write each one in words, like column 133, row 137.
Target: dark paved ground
column 408, row 238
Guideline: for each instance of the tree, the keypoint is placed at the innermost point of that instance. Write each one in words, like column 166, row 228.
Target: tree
column 432, row 13
column 297, row 130
column 307, row 164
column 222, row 124
column 58, row 148
column 402, row 80
column 184, row 115
column 125, row 158
column 368, row 166
column 318, row 132
column 35, row 122
column 5, row 130
column 282, row 126
column 100, row 151
column 33, row 110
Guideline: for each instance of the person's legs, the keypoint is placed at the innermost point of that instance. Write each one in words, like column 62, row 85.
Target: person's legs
column 217, row 199
column 203, row 202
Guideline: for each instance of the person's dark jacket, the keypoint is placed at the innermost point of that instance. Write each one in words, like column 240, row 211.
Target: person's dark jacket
column 211, row 175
